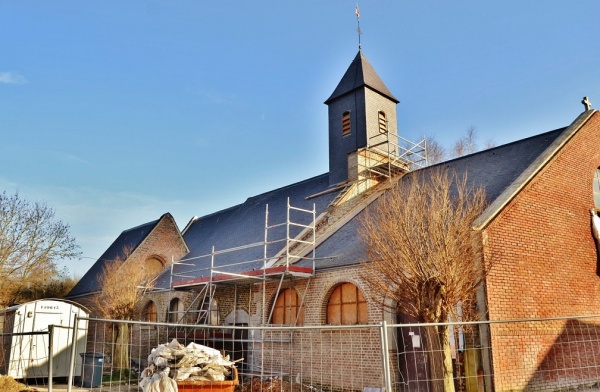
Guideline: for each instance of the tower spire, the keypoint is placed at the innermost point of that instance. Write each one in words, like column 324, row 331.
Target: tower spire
column 357, row 12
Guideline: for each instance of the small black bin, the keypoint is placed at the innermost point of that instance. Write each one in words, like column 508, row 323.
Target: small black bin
column 91, row 369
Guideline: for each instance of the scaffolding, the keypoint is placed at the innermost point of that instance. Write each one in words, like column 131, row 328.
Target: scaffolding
column 298, row 244
column 385, row 157
column 388, row 155
column 279, row 256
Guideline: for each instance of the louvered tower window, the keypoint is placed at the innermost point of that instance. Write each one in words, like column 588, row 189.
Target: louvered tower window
column 382, row 122
column 346, row 124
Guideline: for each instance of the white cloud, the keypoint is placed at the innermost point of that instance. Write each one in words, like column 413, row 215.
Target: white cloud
column 66, row 157
column 12, row 78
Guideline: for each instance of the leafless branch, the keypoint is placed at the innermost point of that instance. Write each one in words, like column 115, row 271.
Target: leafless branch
column 421, row 248
column 32, row 241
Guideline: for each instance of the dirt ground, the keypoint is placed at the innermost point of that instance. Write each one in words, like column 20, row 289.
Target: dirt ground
column 8, row 384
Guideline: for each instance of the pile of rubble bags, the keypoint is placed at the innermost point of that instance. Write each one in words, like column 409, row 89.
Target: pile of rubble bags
column 172, row 362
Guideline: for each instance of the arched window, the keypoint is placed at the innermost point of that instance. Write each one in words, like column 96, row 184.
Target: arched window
column 149, row 312
column 152, row 266
column 175, row 310
column 596, row 189
column 346, row 123
column 347, row 306
column 287, row 309
column 382, row 122
column 209, row 313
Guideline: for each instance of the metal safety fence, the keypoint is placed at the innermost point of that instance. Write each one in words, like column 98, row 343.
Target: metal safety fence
column 514, row 355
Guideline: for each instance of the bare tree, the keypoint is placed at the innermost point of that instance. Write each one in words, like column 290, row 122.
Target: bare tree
column 436, row 153
column 32, row 242
column 122, row 284
column 489, row 143
column 422, row 253
column 466, row 144
column 56, row 287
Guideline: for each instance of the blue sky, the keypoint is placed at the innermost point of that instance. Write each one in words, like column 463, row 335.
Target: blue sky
column 116, row 112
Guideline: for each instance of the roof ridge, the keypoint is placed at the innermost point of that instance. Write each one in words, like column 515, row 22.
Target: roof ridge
column 249, row 199
column 154, row 222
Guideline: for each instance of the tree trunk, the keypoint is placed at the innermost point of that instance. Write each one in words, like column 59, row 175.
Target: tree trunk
column 447, row 351
column 439, row 351
column 121, row 355
column 435, row 359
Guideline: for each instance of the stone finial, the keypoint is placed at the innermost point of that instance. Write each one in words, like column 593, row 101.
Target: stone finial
column 587, row 103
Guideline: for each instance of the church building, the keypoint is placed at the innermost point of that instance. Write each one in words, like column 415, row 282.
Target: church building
column 292, row 256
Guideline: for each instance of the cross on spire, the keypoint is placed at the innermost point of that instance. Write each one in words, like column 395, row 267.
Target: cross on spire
column 586, row 103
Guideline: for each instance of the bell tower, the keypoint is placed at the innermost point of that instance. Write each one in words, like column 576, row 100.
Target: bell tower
column 361, row 109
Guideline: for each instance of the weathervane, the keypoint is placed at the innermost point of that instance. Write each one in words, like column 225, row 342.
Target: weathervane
column 357, row 12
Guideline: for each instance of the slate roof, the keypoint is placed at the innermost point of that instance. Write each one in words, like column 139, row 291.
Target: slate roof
column 360, row 73
column 128, row 239
column 495, row 170
column 244, row 224
column 498, row 170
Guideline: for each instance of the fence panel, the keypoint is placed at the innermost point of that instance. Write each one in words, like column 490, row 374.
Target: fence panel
column 271, row 358
column 516, row 355
column 546, row 354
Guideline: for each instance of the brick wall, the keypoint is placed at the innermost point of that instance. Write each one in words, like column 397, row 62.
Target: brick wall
column 163, row 243
column 544, row 263
column 327, row 355
column 249, row 297
column 339, row 369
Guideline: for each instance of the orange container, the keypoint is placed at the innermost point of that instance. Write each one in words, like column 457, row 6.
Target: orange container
column 215, row 386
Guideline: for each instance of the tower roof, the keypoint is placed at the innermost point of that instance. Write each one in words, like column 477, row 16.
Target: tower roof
column 360, row 73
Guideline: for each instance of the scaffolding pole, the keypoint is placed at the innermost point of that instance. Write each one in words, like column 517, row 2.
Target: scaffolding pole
column 296, row 248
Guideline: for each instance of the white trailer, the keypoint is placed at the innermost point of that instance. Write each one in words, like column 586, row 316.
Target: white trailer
column 25, row 338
